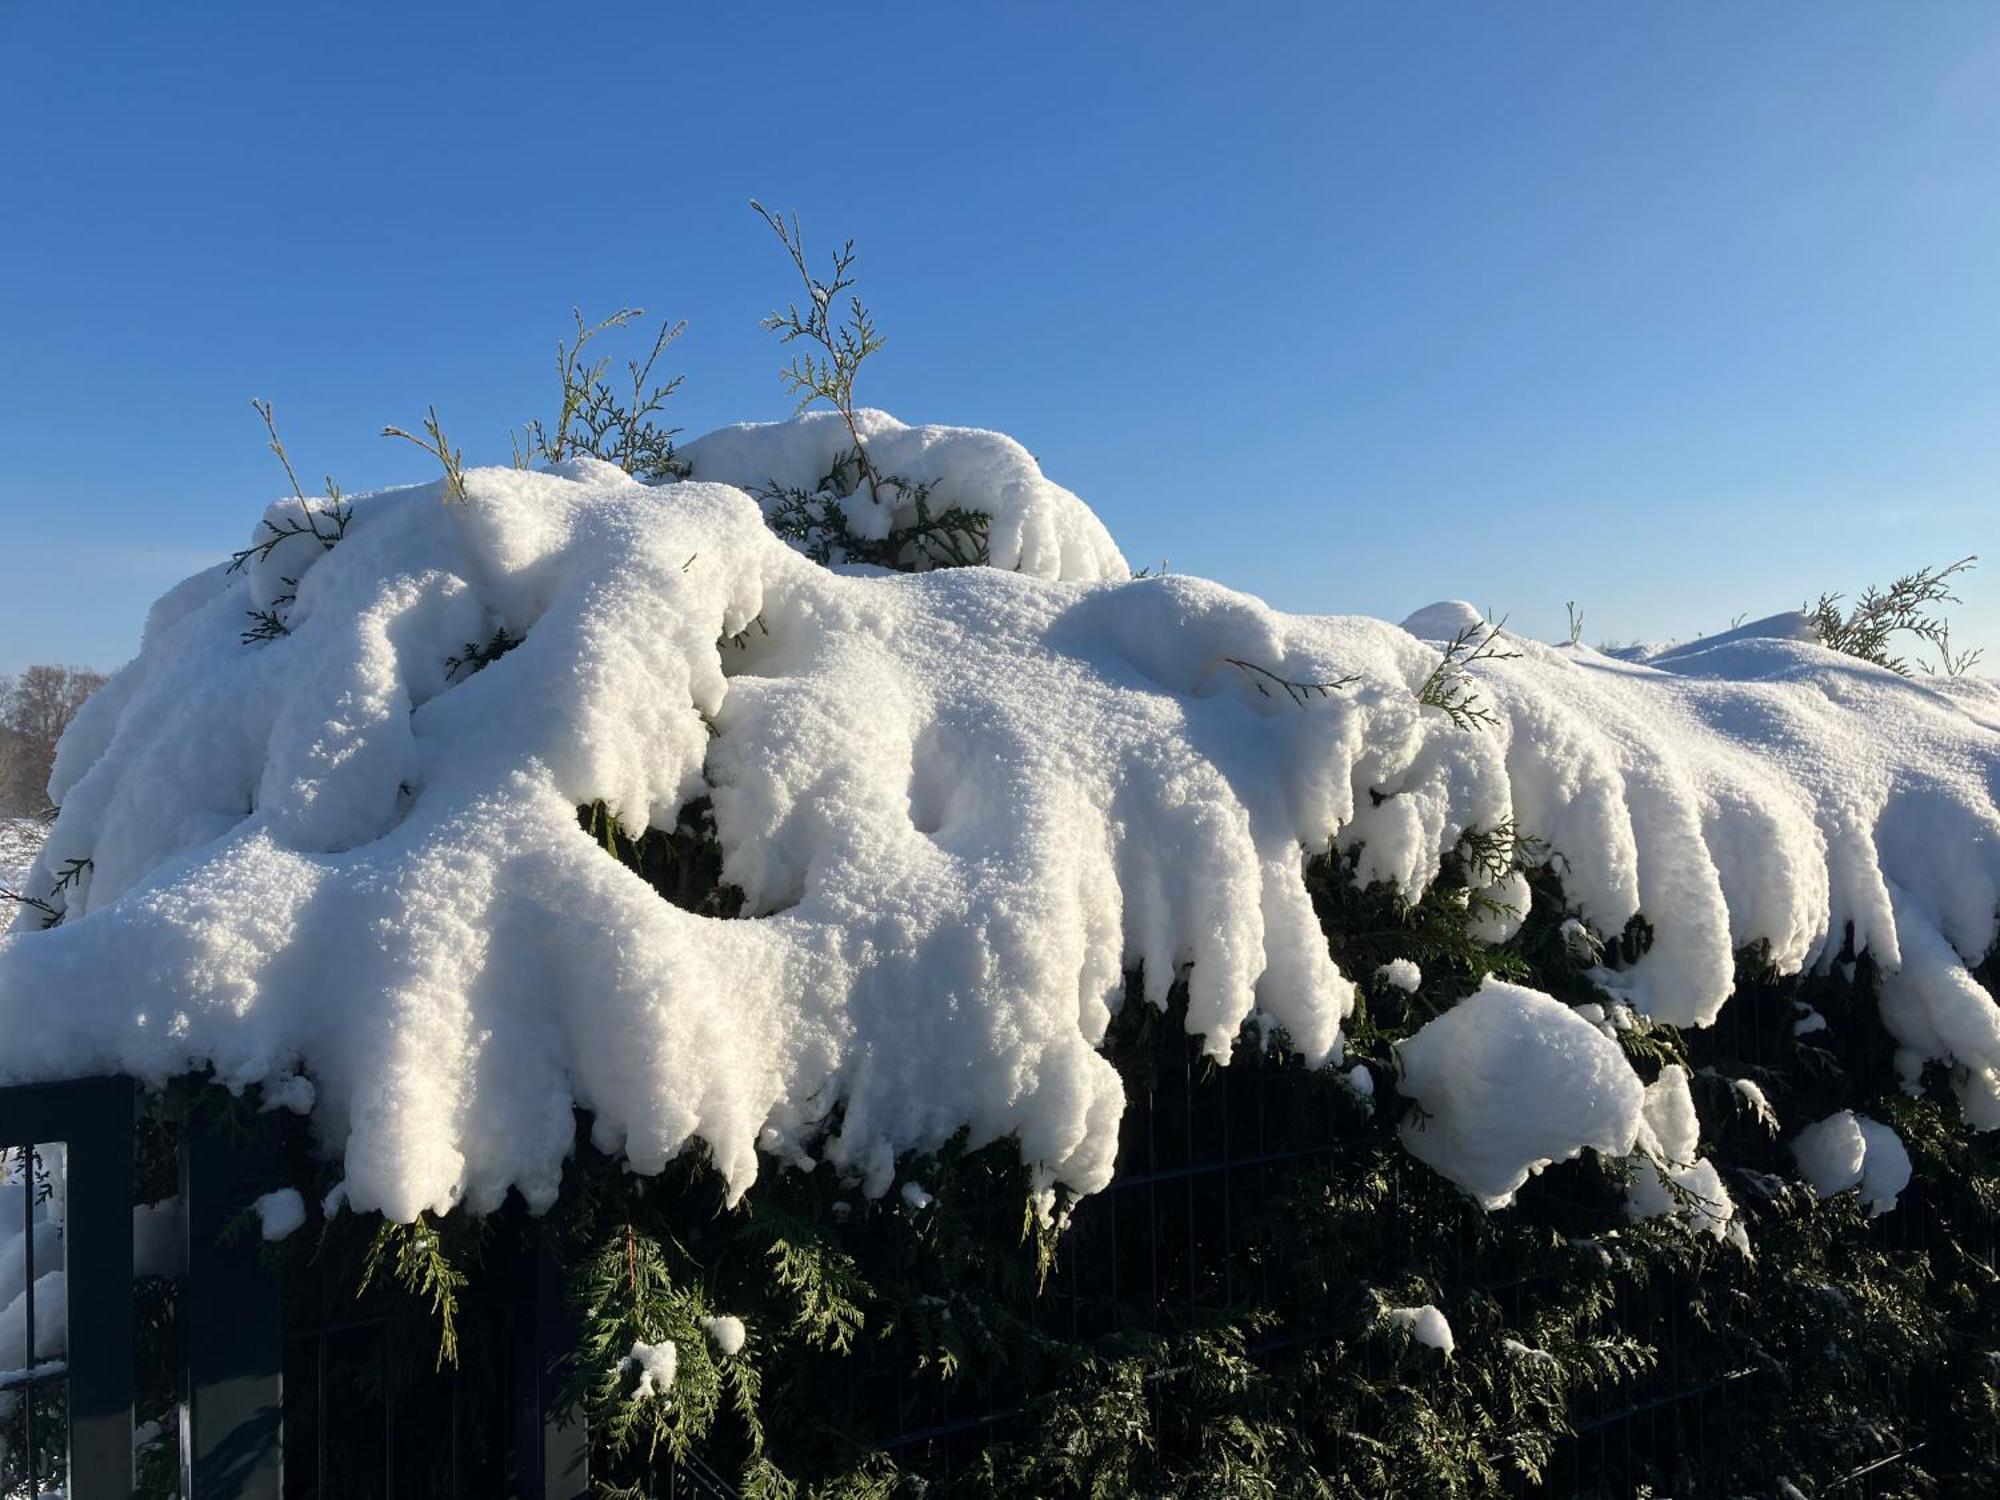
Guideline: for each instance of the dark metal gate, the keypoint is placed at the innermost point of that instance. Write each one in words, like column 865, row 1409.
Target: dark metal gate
column 71, row 1408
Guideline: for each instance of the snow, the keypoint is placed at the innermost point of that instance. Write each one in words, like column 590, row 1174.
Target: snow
column 726, row 1333
column 281, row 1212
column 960, row 803
column 1846, row 1150
column 1401, row 974
column 1669, row 1177
column 1426, row 1325
column 36, row 1224
column 20, row 838
column 656, row 1364
column 1509, row 1081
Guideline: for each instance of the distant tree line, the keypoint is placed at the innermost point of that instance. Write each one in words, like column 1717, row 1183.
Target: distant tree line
column 35, row 708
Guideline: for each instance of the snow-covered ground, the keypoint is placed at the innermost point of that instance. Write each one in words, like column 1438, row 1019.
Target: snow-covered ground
column 961, row 805
column 20, row 840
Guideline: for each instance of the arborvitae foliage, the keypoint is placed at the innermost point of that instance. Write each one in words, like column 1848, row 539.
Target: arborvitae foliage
column 1868, row 629
column 594, row 417
column 835, row 346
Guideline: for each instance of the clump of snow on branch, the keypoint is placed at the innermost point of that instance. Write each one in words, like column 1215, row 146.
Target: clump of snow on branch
column 1426, row 1325
column 1401, row 974
column 1509, row 1081
column 961, row 806
column 1670, row 1177
column 280, row 1213
column 656, row 1365
column 726, row 1332
column 1847, row 1150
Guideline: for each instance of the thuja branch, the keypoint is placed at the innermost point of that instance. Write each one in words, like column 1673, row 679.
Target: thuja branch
column 1263, row 679
column 1449, row 687
column 433, row 442
column 1903, row 608
column 328, row 511
column 594, row 418
column 828, row 376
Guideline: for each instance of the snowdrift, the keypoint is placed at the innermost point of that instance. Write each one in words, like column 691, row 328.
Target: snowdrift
column 961, row 805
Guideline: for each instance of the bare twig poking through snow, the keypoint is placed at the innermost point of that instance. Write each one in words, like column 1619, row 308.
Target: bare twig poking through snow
column 1449, row 687
column 1900, row 609
column 1299, row 692
column 433, row 442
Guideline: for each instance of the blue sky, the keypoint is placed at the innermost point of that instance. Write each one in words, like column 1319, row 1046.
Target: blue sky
column 1680, row 312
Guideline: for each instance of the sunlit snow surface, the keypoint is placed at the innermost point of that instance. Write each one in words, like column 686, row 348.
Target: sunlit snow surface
column 961, row 805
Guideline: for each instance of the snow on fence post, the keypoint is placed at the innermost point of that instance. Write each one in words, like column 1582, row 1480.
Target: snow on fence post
column 233, row 1311
column 93, row 1118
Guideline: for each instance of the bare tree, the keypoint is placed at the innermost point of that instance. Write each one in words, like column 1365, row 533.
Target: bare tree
column 35, row 709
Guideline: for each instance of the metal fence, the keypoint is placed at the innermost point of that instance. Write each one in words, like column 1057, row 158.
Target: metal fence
column 272, row 1407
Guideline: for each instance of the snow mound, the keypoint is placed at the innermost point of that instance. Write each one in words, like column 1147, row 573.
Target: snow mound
column 1037, row 527
column 1509, row 1081
column 961, row 804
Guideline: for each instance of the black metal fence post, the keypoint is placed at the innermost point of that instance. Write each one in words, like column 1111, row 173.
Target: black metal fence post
column 233, row 1309
column 93, row 1118
column 548, row 1459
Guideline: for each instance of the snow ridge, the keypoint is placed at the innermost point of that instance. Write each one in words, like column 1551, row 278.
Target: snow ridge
column 961, row 805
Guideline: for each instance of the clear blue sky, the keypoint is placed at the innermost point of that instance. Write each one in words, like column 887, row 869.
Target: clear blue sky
column 1679, row 311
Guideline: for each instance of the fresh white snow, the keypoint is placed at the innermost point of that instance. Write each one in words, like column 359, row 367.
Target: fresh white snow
column 1401, row 974
column 1426, row 1325
column 1509, row 1081
column 280, row 1213
column 726, row 1332
column 20, row 840
column 656, row 1364
column 1669, row 1176
column 1846, row 1150
column 960, row 803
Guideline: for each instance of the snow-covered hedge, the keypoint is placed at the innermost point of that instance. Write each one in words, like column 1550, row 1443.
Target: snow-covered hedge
column 963, row 831
column 961, row 805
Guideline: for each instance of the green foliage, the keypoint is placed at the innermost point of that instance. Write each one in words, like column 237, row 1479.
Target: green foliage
column 324, row 519
column 434, row 442
column 593, row 417
column 480, row 654
column 835, row 348
column 1905, row 607
column 1449, row 687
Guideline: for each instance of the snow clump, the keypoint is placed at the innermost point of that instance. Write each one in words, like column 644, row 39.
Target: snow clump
column 281, row 1213
column 1426, row 1325
column 1509, row 1081
column 726, row 1333
column 961, row 805
column 1847, row 1150
column 1401, row 974
column 1669, row 1177
column 656, row 1364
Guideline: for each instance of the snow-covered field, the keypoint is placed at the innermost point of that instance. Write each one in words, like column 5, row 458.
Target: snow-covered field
column 961, row 804
column 20, row 839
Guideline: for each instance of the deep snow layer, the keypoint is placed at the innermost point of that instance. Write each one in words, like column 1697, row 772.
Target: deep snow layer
column 961, row 805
